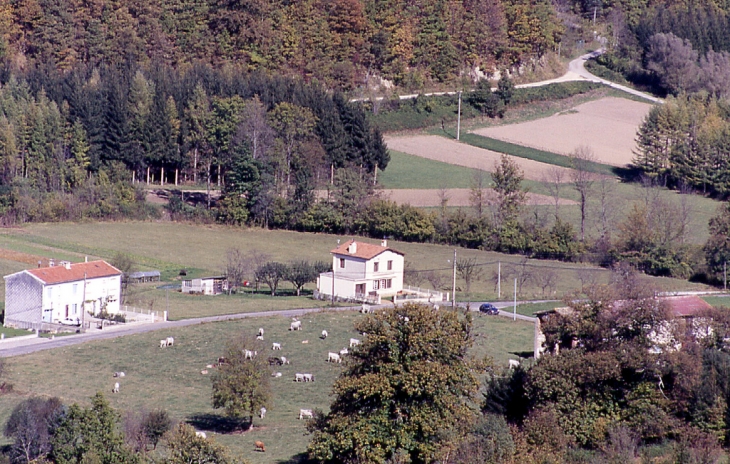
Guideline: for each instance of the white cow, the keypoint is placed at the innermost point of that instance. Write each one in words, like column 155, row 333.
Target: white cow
column 299, row 377
column 260, row 337
column 343, row 351
column 116, row 388
column 262, row 412
column 170, row 341
column 248, row 354
column 333, row 357
column 163, row 343
column 200, row 435
column 308, row 378
column 354, row 342
column 305, row 413
column 514, row 364
column 284, row 360
column 276, row 374
column 276, row 346
column 119, row 374
column 261, row 332
column 365, row 309
column 296, row 325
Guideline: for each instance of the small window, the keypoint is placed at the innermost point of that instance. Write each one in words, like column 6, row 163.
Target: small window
column 386, row 283
column 342, row 263
column 390, row 265
column 375, row 267
column 75, row 288
column 376, row 284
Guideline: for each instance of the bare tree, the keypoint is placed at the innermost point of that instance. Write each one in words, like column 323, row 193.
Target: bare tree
column 124, row 263
column 606, row 190
column 522, row 272
column 436, row 279
column 478, row 195
column 469, row 271
column 412, row 276
column 237, row 266
column 582, row 179
column 255, row 128
column 257, row 259
column 553, row 180
column 587, row 279
column 546, row 278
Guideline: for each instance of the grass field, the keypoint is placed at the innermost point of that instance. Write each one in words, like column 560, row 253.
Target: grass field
column 171, row 379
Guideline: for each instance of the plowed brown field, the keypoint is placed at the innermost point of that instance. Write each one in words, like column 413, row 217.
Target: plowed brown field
column 608, row 126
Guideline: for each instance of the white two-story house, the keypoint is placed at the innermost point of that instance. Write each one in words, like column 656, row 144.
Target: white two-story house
column 61, row 293
column 362, row 270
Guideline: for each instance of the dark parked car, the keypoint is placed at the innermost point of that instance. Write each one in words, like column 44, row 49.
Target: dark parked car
column 489, row 308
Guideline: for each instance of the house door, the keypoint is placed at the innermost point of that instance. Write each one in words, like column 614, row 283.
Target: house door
column 66, row 311
column 360, row 289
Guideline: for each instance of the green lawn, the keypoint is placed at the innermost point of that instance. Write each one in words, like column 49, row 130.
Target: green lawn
column 413, row 172
column 171, row 378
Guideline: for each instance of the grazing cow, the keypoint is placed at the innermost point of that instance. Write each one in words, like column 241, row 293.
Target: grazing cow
column 260, row 446
column 209, row 366
column 365, row 309
column 276, row 346
column 305, row 342
column 260, row 337
column 274, row 361
column 284, row 360
column 308, row 378
column 119, row 374
column 333, row 357
column 343, row 351
column 299, row 377
column 354, row 342
column 248, row 354
column 276, row 374
column 296, row 325
column 116, row 388
column 170, row 341
column 222, row 361
column 324, row 334
column 305, row 413
column 261, row 332
column 204, row 372
column 201, row 435
column 262, row 412
column 163, row 343
column 514, row 364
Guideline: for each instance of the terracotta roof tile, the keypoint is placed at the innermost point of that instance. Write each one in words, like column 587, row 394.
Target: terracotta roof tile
column 362, row 250
column 59, row 274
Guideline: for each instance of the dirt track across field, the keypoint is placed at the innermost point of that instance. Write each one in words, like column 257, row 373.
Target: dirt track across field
column 453, row 152
column 456, row 197
column 608, row 126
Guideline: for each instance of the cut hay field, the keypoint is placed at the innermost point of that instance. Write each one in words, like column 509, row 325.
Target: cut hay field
column 608, row 126
column 170, row 247
column 171, row 378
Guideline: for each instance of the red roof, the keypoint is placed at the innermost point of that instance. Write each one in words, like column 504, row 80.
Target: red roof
column 684, row 306
column 362, row 250
column 78, row 271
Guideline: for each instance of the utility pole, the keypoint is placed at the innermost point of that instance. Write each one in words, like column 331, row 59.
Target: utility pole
column 595, row 8
column 458, row 118
column 453, row 284
column 724, row 271
column 499, row 279
column 514, row 308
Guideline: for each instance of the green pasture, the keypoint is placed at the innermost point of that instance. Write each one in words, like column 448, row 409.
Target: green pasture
column 171, row 378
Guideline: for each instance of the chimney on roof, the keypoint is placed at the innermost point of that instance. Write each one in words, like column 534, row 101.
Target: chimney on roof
column 51, row 262
column 352, row 249
column 384, row 243
column 86, row 259
column 66, row 264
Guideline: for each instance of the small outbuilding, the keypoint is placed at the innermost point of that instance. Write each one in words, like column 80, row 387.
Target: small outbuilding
column 144, row 276
column 206, row 285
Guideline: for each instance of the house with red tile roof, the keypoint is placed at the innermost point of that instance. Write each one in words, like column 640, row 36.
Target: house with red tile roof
column 363, row 271
column 61, row 293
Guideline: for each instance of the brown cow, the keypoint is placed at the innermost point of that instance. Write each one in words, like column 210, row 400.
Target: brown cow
column 260, row 446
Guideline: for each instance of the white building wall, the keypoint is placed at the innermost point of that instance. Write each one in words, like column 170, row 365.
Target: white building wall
column 97, row 294
column 355, row 268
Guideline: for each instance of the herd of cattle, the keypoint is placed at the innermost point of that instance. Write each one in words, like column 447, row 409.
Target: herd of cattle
column 296, row 325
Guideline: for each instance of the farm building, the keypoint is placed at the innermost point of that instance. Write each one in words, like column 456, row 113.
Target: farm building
column 144, row 276
column 61, row 293
column 206, row 285
column 363, row 271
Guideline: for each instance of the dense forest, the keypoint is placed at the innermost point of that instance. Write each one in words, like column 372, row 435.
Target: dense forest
column 342, row 42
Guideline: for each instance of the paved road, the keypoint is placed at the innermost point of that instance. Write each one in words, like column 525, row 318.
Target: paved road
column 11, row 348
column 576, row 72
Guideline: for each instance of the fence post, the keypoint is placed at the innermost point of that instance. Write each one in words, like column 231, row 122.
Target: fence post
column 165, row 314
